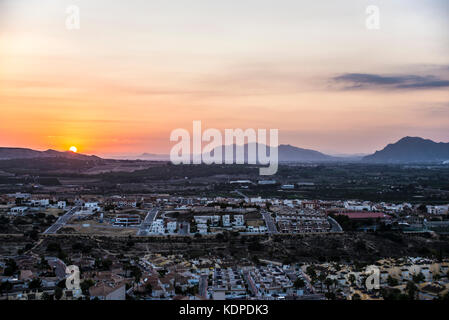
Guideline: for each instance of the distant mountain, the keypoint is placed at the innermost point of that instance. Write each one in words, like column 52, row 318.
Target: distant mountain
column 287, row 153
column 411, row 150
column 23, row 153
column 152, row 157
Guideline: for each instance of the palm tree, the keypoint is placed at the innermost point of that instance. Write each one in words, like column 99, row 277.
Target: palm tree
column 352, row 279
column 328, row 282
column 412, row 290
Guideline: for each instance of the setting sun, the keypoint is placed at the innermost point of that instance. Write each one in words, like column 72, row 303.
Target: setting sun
column 73, row 149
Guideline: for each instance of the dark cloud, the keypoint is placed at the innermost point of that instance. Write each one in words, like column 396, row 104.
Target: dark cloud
column 375, row 81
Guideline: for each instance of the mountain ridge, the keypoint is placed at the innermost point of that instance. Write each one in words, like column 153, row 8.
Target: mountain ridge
column 7, row 153
column 411, row 150
column 406, row 150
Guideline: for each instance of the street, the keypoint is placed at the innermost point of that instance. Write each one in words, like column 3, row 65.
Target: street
column 61, row 221
column 147, row 222
column 269, row 222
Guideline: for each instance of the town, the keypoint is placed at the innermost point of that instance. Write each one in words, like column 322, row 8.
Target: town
column 133, row 247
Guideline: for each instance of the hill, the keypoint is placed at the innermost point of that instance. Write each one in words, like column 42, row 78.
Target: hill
column 23, row 153
column 411, row 150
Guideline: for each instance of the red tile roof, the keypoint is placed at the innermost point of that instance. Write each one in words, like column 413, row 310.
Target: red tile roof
column 364, row 215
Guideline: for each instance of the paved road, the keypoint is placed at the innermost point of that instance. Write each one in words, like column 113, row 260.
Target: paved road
column 252, row 286
column 147, row 222
column 241, row 194
column 308, row 282
column 335, row 226
column 61, row 221
column 269, row 222
column 202, row 289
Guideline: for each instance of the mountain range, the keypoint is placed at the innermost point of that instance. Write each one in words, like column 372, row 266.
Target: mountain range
column 23, row 153
column 406, row 150
column 411, row 150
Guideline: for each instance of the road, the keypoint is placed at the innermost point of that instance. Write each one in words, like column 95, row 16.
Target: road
column 241, row 194
column 308, row 282
column 147, row 222
column 61, row 221
column 252, row 286
column 202, row 288
column 335, row 226
column 269, row 222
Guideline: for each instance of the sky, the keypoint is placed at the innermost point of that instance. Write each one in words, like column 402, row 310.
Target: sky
column 136, row 70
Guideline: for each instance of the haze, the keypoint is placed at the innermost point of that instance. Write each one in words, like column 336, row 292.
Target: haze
column 136, row 70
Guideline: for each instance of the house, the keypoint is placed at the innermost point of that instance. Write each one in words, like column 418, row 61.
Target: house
column 438, row 209
column 157, row 227
column 125, row 220
column 171, row 226
column 40, row 203
column 61, row 204
column 18, row 210
column 239, row 220
column 108, row 291
column 226, row 220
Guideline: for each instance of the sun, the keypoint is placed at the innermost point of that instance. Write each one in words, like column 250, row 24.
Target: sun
column 73, row 149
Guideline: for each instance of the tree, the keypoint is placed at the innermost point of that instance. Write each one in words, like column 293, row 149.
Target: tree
column 137, row 274
column 5, row 287
column 322, row 277
column 11, row 268
column 352, row 279
column 328, row 282
column 299, row 283
column 58, row 293
column 411, row 290
column 46, row 296
column 392, row 282
column 35, row 284
column 149, row 289
column 43, row 265
column 330, row 296
column 311, row 272
column 162, row 272
column 85, row 285
column 417, row 278
column 53, row 247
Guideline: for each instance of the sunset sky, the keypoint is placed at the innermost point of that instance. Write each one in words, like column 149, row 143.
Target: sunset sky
column 138, row 69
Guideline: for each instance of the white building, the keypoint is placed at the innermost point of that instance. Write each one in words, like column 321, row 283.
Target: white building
column 226, row 220
column 18, row 210
column 40, row 203
column 438, row 209
column 62, row 204
column 267, row 182
column 357, row 206
column 92, row 206
column 171, row 227
column 157, row 227
column 202, row 228
column 239, row 220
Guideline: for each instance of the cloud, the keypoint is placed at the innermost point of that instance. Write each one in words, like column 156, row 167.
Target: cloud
column 353, row 81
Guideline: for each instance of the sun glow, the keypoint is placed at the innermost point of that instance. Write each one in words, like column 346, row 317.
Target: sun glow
column 73, row 149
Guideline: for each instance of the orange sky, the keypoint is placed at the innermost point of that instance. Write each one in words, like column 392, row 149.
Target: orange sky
column 130, row 75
